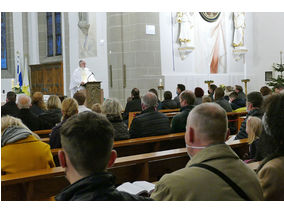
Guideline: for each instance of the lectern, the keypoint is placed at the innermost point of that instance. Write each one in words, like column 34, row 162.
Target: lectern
column 93, row 93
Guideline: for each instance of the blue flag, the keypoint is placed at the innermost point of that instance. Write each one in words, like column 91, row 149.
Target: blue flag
column 20, row 79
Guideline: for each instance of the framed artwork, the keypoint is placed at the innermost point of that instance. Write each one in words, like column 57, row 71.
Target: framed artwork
column 268, row 75
column 210, row 16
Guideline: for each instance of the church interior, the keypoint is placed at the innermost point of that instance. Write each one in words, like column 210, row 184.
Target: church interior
column 143, row 73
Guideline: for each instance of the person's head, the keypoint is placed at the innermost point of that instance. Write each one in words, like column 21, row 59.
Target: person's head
column 219, row 93
column 233, row 96
column 24, row 102
column 135, row 93
column 149, row 100
column 187, row 97
column 272, row 138
column 168, row 95
column 265, row 90
column 253, row 128
column 80, row 97
column 97, row 108
column 53, row 102
column 87, row 141
column 9, row 121
column 238, row 88
column 254, row 100
column 198, row 92
column 206, row 99
column 82, row 63
column 211, row 88
column 229, row 89
column 112, row 107
column 37, row 99
column 11, row 97
column 180, row 88
column 278, row 88
column 154, row 91
column 69, row 108
column 207, row 124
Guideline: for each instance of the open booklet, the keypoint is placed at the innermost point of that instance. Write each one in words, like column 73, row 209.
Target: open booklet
column 137, row 187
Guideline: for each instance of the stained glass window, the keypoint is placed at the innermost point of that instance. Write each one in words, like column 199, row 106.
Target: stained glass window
column 58, row 33
column 3, row 42
column 49, row 34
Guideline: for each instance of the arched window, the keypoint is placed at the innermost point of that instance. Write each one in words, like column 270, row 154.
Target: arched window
column 3, row 42
column 54, row 38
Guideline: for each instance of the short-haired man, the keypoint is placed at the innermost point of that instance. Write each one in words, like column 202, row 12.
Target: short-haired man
column 10, row 108
column 150, row 122
column 187, row 100
column 211, row 90
column 168, row 103
column 29, row 119
column 254, row 103
column 134, row 105
column 236, row 102
column 87, row 141
column 239, row 91
column 180, row 88
column 219, row 99
column 199, row 180
column 80, row 97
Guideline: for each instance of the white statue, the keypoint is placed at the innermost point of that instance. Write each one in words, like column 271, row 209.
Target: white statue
column 239, row 25
column 185, row 19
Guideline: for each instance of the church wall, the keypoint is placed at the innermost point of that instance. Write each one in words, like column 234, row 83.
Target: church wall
column 268, row 42
column 129, row 45
column 175, row 70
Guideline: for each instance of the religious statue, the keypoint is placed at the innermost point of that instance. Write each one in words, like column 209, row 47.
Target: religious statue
column 185, row 19
column 84, row 25
column 239, row 25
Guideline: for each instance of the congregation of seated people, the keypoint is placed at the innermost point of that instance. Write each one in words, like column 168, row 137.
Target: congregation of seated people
column 86, row 137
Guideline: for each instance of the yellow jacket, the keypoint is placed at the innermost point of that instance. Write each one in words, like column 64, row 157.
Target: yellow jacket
column 26, row 155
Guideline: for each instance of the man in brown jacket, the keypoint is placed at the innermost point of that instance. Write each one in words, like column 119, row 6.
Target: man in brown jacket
column 214, row 172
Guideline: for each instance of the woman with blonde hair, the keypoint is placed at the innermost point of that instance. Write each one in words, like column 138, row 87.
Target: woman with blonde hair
column 253, row 129
column 53, row 115
column 21, row 149
column 38, row 105
column 113, row 109
column 69, row 108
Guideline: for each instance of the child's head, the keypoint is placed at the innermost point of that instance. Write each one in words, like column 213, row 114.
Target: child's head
column 253, row 128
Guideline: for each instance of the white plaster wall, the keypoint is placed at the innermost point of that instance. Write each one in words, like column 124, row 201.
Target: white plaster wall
column 185, row 71
column 268, row 42
column 33, row 38
column 97, row 64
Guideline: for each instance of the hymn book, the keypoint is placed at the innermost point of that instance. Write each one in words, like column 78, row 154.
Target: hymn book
column 137, row 187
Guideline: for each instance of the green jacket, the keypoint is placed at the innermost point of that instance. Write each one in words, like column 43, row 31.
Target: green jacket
column 179, row 121
column 199, row 184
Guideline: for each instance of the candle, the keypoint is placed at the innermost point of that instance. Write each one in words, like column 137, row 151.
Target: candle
column 160, row 82
column 280, row 57
column 12, row 81
column 245, row 69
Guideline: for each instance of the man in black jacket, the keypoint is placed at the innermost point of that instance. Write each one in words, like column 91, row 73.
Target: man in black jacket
column 180, row 89
column 10, row 108
column 134, row 105
column 168, row 103
column 87, row 141
column 187, row 99
column 236, row 102
column 149, row 122
column 254, row 103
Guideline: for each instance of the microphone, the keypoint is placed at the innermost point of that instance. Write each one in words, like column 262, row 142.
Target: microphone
column 90, row 75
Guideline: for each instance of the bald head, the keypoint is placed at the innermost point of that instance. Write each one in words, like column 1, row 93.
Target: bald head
column 24, row 102
column 149, row 100
column 209, row 122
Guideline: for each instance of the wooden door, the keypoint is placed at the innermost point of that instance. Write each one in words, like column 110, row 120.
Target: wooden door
column 47, row 78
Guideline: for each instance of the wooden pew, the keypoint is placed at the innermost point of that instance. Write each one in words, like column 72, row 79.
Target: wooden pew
column 43, row 133
column 42, row 184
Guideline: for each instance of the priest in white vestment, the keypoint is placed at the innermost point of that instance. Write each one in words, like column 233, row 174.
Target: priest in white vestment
column 80, row 76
